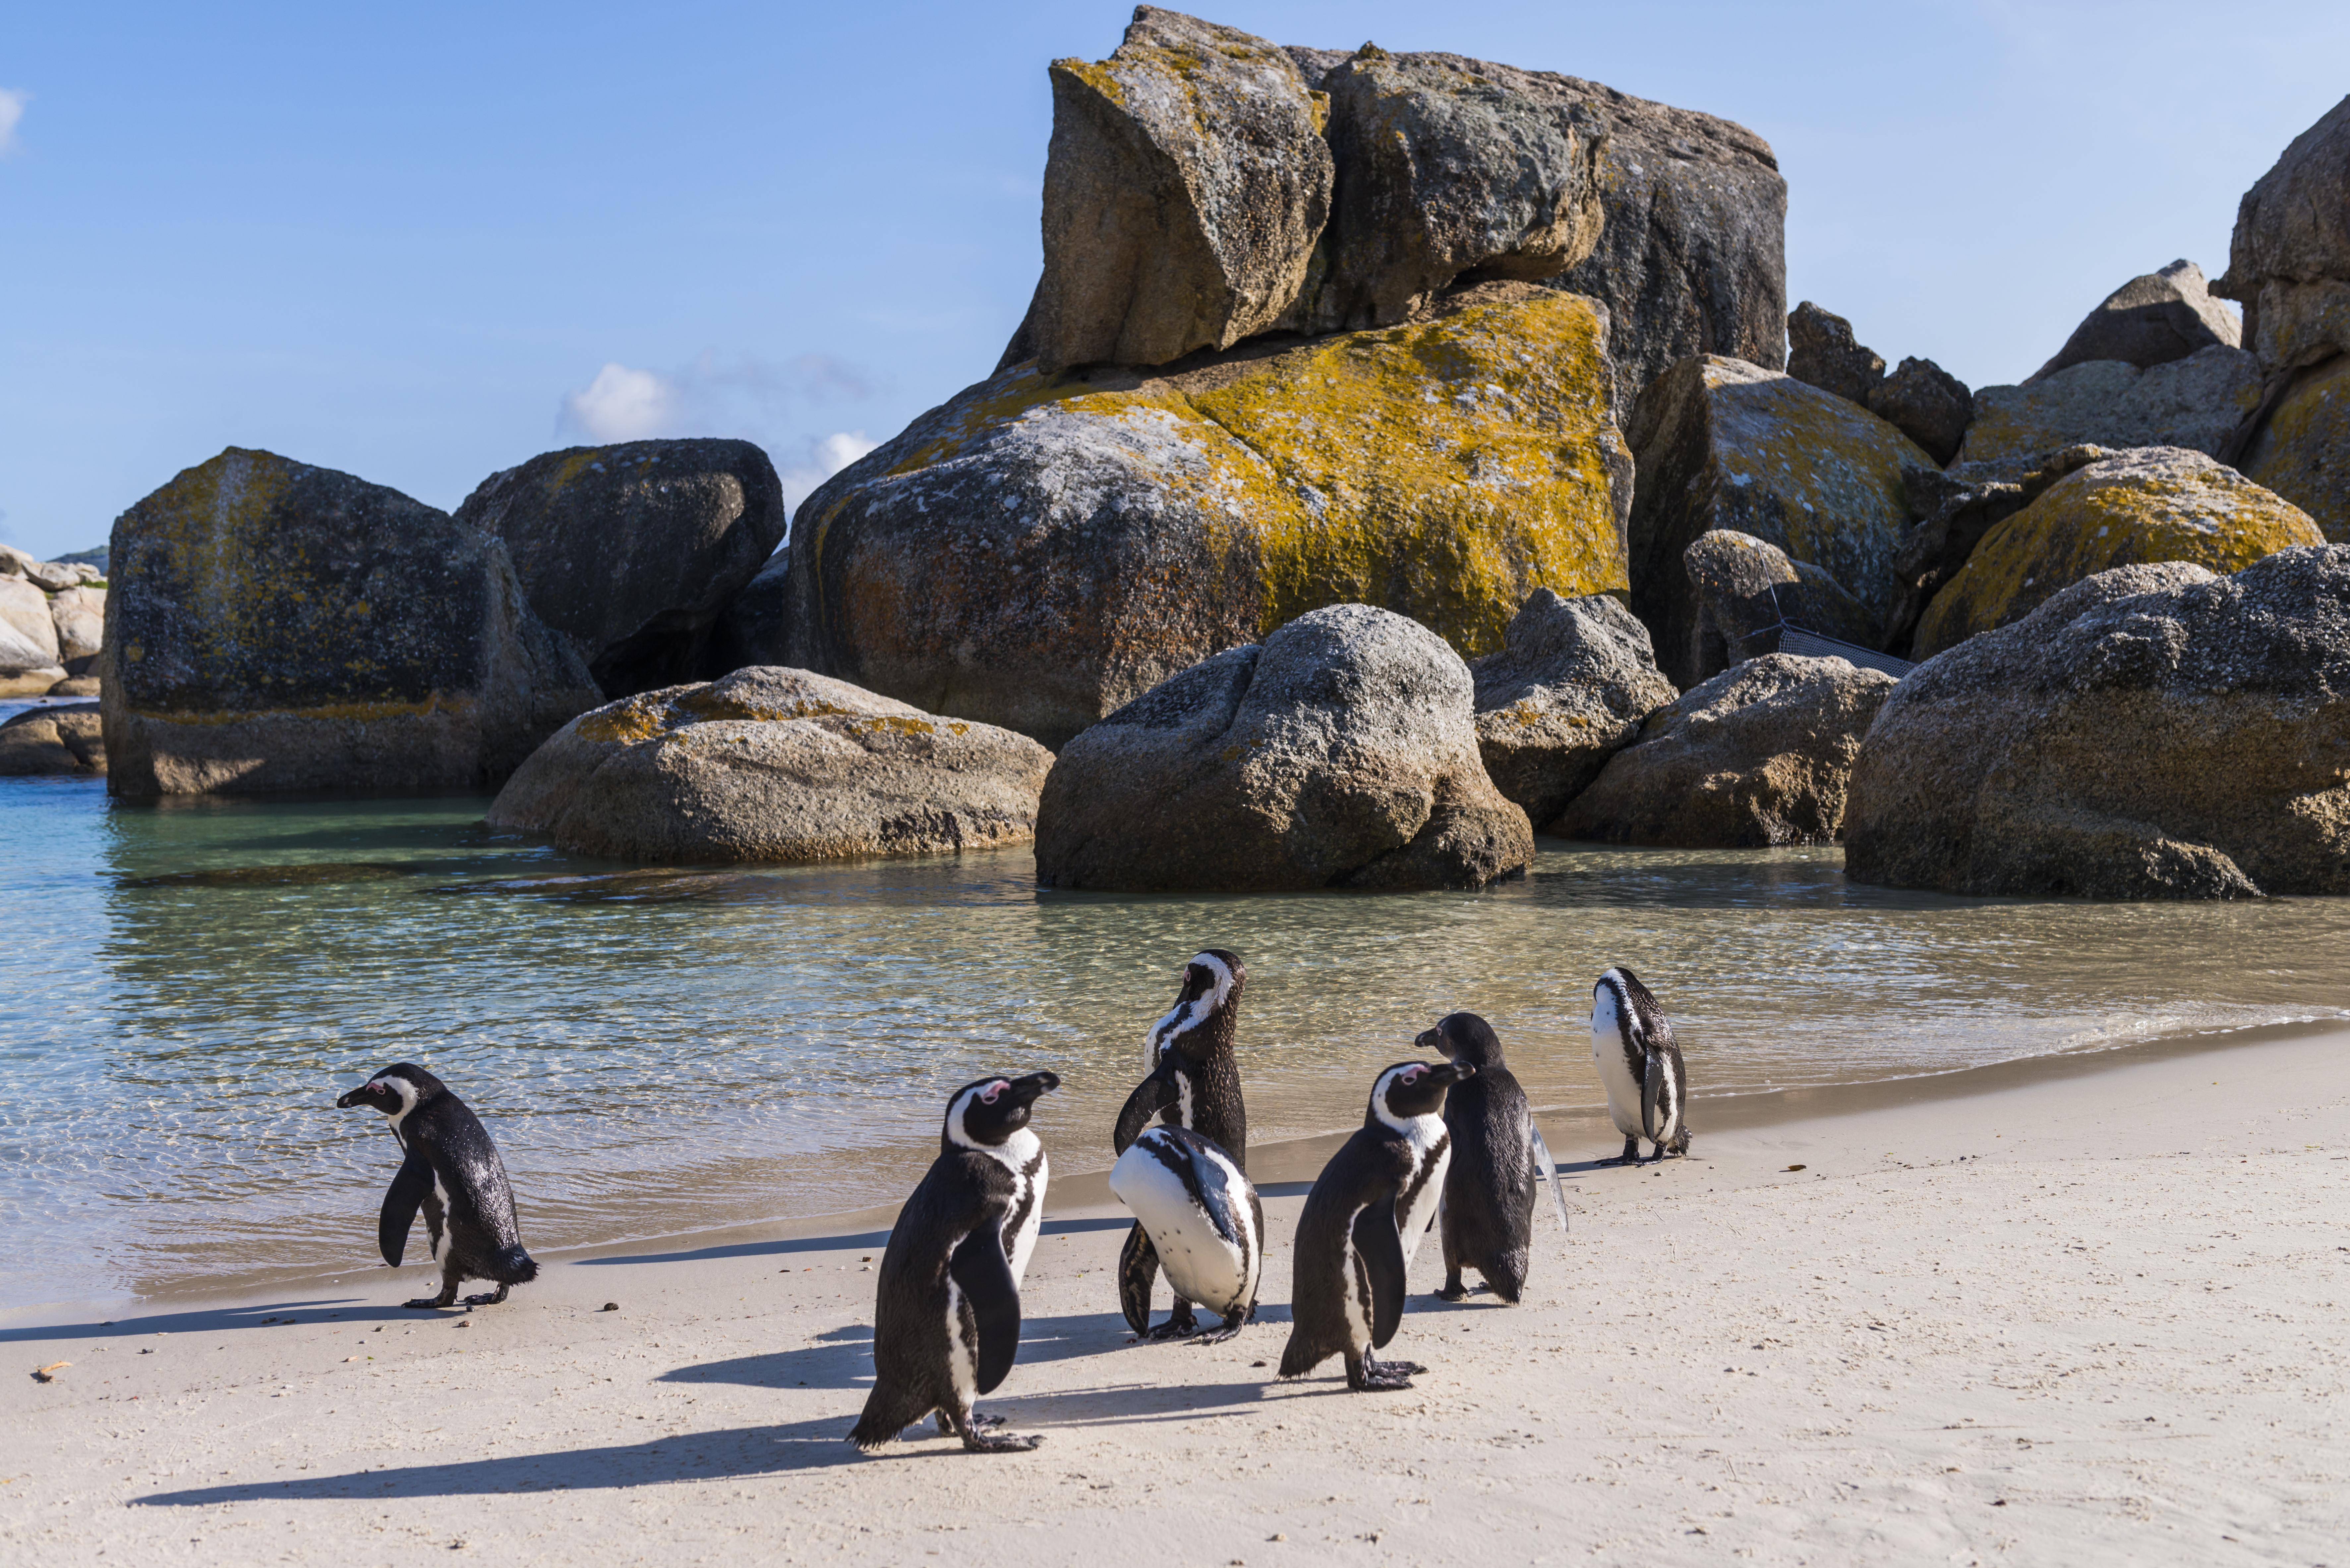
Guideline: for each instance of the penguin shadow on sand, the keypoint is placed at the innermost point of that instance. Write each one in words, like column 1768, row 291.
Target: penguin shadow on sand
column 843, row 1356
column 226, row 1320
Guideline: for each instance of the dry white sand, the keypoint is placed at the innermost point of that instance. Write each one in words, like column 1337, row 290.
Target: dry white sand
column 2085, row 1317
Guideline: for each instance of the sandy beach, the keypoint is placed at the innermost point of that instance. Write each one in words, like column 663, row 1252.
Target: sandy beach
column 2060, row 1311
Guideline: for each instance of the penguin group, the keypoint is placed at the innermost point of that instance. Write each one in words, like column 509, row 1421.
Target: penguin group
column 1447, row 1143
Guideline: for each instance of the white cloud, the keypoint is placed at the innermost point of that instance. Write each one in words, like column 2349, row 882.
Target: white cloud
column 827, row 455
column 11, row 112
column 622, row 404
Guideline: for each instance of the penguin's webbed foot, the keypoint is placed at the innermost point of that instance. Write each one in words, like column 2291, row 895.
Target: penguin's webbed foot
column 1454, row 1290
column 1384, row 1376
column 1180, row 1324
column 430, row 1304
column 977, row 1420
column 1230, row 1327
column 490, row 1299
column 1631, row 1155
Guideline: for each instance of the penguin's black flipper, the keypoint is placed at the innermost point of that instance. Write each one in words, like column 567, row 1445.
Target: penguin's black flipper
column 1137, row 1270
column 984, row 1274
column 1653, row 1085
column 401, row 1201
column 1150, row 1097
column 1380, row 1246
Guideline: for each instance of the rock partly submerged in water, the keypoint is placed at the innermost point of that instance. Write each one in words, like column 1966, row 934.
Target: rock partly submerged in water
column 773, row 764
column 30, row 659
column 631, row 552
column 1758, row 756
column 2150, row 732
column 1341, row 752
column 1569, row 689
column 1037, row 552
column 2132, row 508
column 273, row 625
column 61, row 740
column 1727, row 445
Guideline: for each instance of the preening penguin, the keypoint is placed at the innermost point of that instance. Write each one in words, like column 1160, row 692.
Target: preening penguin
column 946, row 1311
column 1203, row 1218
column 1487, row 1219
column 1361, row 1224
column 1194, row 1081
column 452, row 1170
column 1648, row 1091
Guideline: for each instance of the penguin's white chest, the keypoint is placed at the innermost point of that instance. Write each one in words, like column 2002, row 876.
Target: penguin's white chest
column 1195, row 1204
column 1431, row 1156
column 1023, row 1155
column 1616, row 1075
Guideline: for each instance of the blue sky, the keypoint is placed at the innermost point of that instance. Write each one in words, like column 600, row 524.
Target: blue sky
column 422, row 243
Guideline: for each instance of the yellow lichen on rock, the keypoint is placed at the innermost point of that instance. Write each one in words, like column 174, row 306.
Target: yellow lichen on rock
column 2303, row 453
column 2155, row 503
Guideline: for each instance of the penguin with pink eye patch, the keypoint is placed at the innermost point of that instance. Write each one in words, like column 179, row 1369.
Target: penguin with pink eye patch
column 1362, row 1223
column 946, row 1311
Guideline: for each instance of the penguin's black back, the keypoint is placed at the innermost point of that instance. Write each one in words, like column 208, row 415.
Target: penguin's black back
column 1489, row 1188
column 484, row 1237
column 962, row 1191
column 1368, row 1169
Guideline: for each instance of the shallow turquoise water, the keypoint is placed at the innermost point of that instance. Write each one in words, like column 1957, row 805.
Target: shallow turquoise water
column 658, row 1052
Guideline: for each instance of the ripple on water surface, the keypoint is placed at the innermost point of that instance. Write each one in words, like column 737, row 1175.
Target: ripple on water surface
column 659, row 1050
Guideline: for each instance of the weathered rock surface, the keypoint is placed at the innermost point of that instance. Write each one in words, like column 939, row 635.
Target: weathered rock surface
column 28, row 631
column 1340, row 752
column 631, row 552
column 2150, row 320
column 2134, row 508
column 1956, row 508
column 1691, row 256
column 773, row 764
column 1927, row 404
column 1568, row 690
column 2193, row 402
column 80, row 616
column 2191, row 742
column 1725, row 444
column 1823, row 352
column 1184, row 189
column 16, row 563
column 750, row 629
column 1443, row 169
column 1746, row 587
column 2289, row 262
column 2303, row 450
column 273, row 625
column 61, row 740
column 1037, row 552
column 33, row 680
column 1759, row 755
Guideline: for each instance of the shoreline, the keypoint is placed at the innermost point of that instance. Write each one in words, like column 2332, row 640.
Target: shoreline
column 1285, row 1164
column 2076, row 1316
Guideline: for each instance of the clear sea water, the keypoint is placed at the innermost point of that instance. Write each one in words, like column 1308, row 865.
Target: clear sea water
column 188, row 987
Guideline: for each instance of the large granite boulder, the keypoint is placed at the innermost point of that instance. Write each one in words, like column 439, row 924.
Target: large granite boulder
column 2193, row 402
column 1038, row 552
column 773, row 764
column 1185, row 186
column 1568, row 690
column 2150, row 732
column 750, row 629
column 1443, row 169
column 1747, row 587
column 1342, row 751
column 1755, row 757
column 1723, row 444
column 1823, row 352
column 2150, row 320
column 80, row 616
column 2303, row 450
column 272, row 625
column 30, row 659
column 1956, row 508
column 2289, row 261
column 1927, row 404
column 631, row 552
column 1691, row 254
column 62, row 740
column 2154, row 503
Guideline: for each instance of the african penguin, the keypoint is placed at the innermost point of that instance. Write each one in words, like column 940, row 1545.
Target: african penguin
column 1648, row 1091
column 451, row 1169
column 1357, row 1231
column 1202, row 1217
column 946, row 1311
column 1192, row 1081
column 1498, row 1156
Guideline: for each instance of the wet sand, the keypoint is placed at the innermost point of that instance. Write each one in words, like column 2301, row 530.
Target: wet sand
column 2086, row 1308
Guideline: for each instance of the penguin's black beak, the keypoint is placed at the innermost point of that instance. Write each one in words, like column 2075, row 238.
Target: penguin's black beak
column 1451, row 1073
column 1433, row 1039
column 1027, row 1091
column 358, row 1096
